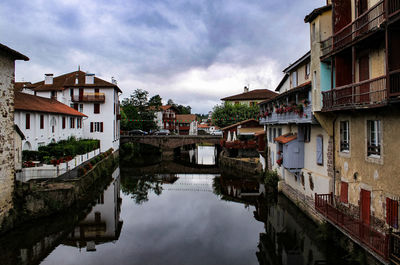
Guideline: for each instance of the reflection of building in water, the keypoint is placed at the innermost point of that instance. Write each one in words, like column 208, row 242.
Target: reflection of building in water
column 167, row 178
column 289, row 237
column 191, row 182
column 203, row 155
column 241, row 188
column 103, row 223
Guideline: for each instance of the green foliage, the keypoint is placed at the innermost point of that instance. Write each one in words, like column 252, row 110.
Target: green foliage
column 227, row 114
column 181, row 109
column 138, row 107
column 139, row 188
column 271, row 178
column 64, row 148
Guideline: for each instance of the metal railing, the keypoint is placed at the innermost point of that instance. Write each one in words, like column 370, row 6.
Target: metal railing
column 363, row 94
column 289, row 117
column 89, row 97
column 364, row 233
column 395, row 83
column 367, row 22
column 393, row 7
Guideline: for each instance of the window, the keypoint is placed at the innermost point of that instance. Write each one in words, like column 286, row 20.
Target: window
column 374, row 138
column 76, row 106
column 320, row 150
column 252, row 104
column 279, row 131
column 96, row 108
column 96, row 90
column 71, row 92
column 313, row 36
column 41, row 121
column 80, row 107
column 392, row 213
column 344, row 190
column 72, row 123
column 53, row 94
column 27, row 121
column 96, row 127
column 270, row 135
column 79, row 123
column 344, row 136
column 307, row 70
column 63, row 122
column 294, row 79
column 305, row 132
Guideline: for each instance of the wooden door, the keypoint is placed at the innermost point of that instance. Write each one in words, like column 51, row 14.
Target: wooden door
column 365, row 198
column 80, row 94
column 363, row 67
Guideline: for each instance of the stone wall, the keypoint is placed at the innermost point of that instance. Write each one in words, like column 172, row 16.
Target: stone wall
column 242, row 166
column 6, row 134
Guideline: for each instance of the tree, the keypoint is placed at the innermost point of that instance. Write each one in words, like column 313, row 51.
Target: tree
column 227, row 114
column 136, row 113
column 155, row 101
column 170, row 102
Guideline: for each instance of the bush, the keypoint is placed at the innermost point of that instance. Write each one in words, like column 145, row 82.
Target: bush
column 272, row 178
column 30, row 155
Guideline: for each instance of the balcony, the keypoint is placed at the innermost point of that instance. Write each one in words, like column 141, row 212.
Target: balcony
column 394, row 83
column 288, row 117
column 89, row 97
column 365, row 94
column 393, row 8
column 365, row 24
column 364, row 234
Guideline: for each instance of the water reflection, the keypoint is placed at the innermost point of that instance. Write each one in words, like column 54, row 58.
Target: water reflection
column 200, row 155
column 102, row 224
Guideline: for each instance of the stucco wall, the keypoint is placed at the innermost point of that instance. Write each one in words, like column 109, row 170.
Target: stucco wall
column 6, row 134
column 378, row 175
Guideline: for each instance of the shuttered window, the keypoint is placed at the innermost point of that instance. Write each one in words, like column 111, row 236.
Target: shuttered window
column 27, row 121
column 91, row 127
column 392, row 213
column 72, row 123
column 320, row 150
column 96, row 127
column 63, row 122
column 344, row 191
column 41, row 121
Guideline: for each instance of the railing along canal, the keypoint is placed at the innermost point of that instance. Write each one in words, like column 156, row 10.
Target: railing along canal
column 365, row 234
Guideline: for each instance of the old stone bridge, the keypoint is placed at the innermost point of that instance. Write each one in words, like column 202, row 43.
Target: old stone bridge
column 167, row 143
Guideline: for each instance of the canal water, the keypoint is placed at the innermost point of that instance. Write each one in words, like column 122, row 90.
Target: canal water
column 143, row 217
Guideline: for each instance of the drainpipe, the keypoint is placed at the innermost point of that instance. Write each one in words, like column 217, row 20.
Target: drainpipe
column 334, row 160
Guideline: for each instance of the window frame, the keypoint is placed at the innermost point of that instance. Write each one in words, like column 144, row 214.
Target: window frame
column 322, row 150
column 374, row 138
column 27, row 121
column 41, row 122
column 96, row 108
column 344, row 141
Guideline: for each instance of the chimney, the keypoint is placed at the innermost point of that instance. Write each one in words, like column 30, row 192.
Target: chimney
column 89, row 79
column 113, row 81
column 48, row 79
column 246, row 89
column 76, row 79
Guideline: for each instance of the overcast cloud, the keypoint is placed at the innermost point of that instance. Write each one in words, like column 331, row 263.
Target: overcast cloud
column 194, row 52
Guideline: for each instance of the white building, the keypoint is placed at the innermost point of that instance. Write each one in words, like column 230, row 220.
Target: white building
column 44, row 120
column 92, row 96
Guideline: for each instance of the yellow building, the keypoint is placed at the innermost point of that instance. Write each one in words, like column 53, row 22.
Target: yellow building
column 360, row 85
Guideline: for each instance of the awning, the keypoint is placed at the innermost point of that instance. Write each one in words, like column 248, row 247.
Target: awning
column 286, row 138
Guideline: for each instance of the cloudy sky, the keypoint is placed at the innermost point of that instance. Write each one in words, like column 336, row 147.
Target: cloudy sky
column 193, row 51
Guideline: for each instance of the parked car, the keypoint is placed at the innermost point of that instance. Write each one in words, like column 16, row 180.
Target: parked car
column 162, row 132
column 217, row 133
column 137, row 132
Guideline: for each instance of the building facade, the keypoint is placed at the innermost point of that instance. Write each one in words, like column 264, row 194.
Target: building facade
column 186, row 124
column 7, row 131
column 44, row 121
column 92, row 96
column 297, row 144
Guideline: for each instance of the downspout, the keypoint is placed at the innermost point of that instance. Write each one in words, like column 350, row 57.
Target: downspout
column 334, row 160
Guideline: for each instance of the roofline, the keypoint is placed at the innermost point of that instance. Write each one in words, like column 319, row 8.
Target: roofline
column 18, row 130
column 299, row 61
column 16, row 55
column 288, row 92
column 237, row 124
column 317, row 12
column 60, row 113
column 227, row 98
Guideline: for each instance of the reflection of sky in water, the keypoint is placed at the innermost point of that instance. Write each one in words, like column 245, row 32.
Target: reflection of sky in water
column 176, row 228
column 203, row 155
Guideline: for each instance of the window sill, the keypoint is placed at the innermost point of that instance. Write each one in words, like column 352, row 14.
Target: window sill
column 374, row 159
column 346, row 154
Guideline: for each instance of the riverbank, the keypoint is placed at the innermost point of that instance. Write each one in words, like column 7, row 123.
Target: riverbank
column 244, row 166
column 42, row 198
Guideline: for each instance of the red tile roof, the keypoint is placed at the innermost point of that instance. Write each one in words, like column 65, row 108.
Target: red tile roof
column 182, row 118
column 28, row 102
column 68, row 80
column 13, row 53
column 255, row 94
column 286, row 138
column 18, row 86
